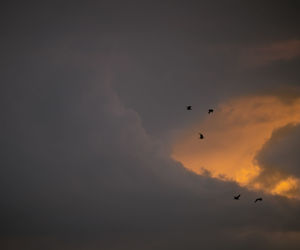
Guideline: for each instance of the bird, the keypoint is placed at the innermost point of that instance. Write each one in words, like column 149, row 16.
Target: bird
column 237, row 197
column 201, row 136
column 210, row 111
column 258, row 199
column 189, row 107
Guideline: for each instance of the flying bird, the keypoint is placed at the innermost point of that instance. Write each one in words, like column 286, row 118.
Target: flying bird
column 237, row 197
column 201, row 136
column 210, row 111
column 189, row 107
column 258, row 199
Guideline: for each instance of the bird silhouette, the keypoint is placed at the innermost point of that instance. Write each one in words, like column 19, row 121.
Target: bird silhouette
column 189, row 107
column 210, row 111
column 258, row 199
column 201, row 136
column 237, row 197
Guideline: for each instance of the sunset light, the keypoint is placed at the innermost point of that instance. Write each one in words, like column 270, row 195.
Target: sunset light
column 234, row 136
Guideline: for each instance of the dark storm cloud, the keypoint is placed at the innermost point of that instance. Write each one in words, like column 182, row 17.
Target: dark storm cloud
column 281, row 150
column 170, row 53
column 77, row 164
column 79, row 169
column 279, row 157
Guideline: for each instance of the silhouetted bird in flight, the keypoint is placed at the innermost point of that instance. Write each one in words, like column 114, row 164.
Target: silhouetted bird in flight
column 210, row 111
column 258, row 199
column 189, row 107
column 237, row 197
column 201, row 136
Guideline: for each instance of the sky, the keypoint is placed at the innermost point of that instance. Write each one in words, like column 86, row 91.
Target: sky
column 98, row 150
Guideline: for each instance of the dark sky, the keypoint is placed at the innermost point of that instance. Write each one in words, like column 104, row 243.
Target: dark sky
column 93, row 98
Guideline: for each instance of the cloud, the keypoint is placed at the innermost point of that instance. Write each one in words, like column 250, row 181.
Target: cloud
column 79, row 170
column 281, row 150
column 279, row 161
column 85, row 87
column 275, row 51
column 235, row 134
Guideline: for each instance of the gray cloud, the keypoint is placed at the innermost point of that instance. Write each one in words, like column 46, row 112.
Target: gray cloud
column 78, row 164
column 280, row 153
column 83, row 91
column 279, row 157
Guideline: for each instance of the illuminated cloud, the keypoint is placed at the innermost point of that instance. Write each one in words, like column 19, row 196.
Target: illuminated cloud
column 235, row 134
column 265, row 54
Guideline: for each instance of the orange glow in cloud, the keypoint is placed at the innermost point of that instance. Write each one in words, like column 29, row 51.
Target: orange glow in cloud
column 283, row 50
column 286, row 186
column 234, row 134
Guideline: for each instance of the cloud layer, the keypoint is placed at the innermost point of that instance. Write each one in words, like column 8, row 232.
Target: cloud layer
column 80, row 171
column 91, row 95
